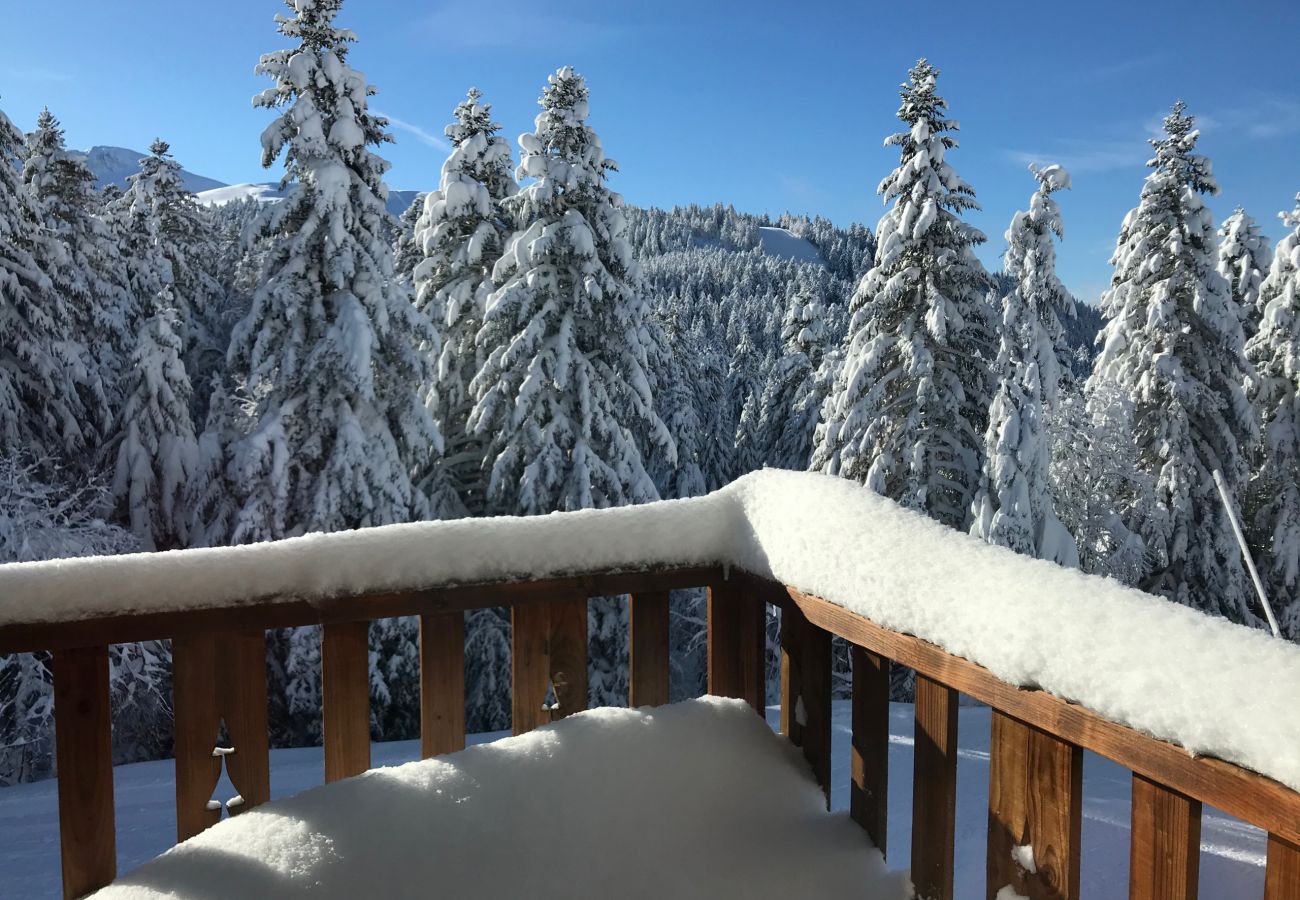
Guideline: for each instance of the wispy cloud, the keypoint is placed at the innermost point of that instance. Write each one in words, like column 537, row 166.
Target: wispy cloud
column 420, row 134
column 1080, row 156
column 517, row 26
column 1260, row 116
column 1108, row 71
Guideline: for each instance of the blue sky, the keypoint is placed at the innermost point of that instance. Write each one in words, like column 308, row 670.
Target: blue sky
column 771, row 106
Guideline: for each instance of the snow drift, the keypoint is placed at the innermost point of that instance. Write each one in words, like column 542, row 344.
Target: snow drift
column 699, row 799
column 1132, row 657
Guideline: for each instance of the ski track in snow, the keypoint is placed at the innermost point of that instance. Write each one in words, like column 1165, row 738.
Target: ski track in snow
column 1232, row 852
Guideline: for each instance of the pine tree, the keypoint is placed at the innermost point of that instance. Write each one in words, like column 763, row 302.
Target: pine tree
column 1275, row 352
column 459, row 237
column 174, row 245
column 1013, row 507
column 330, row 353
column 48, row 384
column 93, row 280
column 1173, row 343
column 563, row 390
column 1243, row 260
column 158, row 452
column 908, row 410
column 793, row 398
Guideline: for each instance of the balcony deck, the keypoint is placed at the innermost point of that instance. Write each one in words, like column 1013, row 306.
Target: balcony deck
column 1066, row 661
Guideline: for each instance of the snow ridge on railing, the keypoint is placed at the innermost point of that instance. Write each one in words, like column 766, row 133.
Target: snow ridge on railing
column 1210, row 686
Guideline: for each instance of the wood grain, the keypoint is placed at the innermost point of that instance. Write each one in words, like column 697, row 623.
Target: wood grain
column 1282, row 877
column 737, row 635
column 1035, row 801
column 869, row 764
column 934, row 789
column 442, row 683
column 242, row 700
column 806, row 693
column 647, row 658
column 345, row 698
column 1165, row 844
column 84, row 751
column 197, row 721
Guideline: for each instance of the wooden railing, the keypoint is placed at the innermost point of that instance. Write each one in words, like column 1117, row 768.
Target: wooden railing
column 1035, row 791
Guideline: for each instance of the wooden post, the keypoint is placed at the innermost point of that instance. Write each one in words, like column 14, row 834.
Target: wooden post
column 84, row 750
column 934, row 790
column 242, row 701
column 1282, row 877
column 345, row 696
column 548, row 651
column 806, row 692
column 737, row 638
column 647, row 657
column 442, row 683
column 197, row 720
column 1165, row 848
column 869, row 790
column 1035, row 802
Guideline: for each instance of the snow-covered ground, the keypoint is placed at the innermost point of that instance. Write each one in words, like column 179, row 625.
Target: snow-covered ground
column 1232, row 853
column 785, row 243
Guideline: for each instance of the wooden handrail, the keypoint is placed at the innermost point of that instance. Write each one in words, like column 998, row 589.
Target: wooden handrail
column 1035, row 748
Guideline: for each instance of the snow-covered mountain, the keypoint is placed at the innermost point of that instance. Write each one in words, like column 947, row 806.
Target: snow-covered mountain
column 112, row 165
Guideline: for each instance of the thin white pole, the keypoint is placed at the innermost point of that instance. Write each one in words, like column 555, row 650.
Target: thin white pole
column 1245, row 551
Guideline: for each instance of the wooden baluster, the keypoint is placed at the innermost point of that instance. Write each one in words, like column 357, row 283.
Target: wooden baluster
column 737, row 638
column 345, row 696
column 1035, row 802
column 647, row 657
column 442, row 683
column 806, row 692
column 549, row 651
column 197, row 720
column 84, row 749
column 1282, row 877
column 568, row 655
column 869, row 790
column 1165, row 849
column 934, row 790
column 242, row 699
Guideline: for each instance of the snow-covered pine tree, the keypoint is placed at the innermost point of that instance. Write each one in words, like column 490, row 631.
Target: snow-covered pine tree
column 563, row 398
column 157, row 453
column 1243, row 260
column 563, row 391
column 406, row 250
column 1275, row 353
column 1173, row 343
column 174, row 246
column 330, row 353
column 1013, row 506
column 793, row 398
column 93, row 281
column 331, row 361
column 209, row 497
column 459, row 236
column 48, row 384
column 908, row 410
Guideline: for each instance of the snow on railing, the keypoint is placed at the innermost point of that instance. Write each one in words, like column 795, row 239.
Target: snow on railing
column 1136, row 659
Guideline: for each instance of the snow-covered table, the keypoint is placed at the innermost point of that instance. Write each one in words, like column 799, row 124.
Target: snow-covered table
column 697, row 799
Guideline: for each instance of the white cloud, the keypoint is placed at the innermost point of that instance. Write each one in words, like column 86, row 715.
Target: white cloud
column 1081, row 156
column 421, row 135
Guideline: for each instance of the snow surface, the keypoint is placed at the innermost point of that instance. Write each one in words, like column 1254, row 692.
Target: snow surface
column 1232, row 853
column 267, row 192
column 788, row 245
column 1131, row 657
column 698, row 799
column 113, row 165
